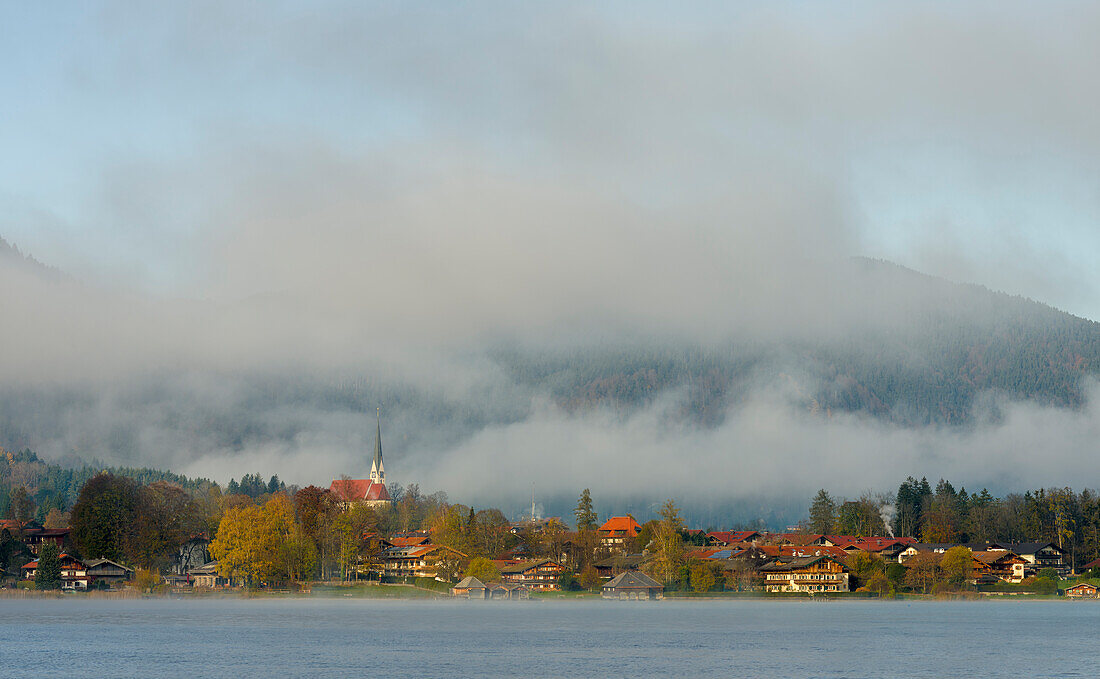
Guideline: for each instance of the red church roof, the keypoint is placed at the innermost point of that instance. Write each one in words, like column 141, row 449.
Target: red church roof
column 356, row 490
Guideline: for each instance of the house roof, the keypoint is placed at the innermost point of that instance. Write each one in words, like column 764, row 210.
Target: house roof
column 622, row 561
column 797, row 564
column 409, row 541
column 469, row 582
column 621, row 524
column 632, row 580
column 1092, row 564
column 205, row 569
column 731, row 537
column 99, row 562
column 355, row 490
column 992, row 557
column 527, row 565
column 60, row 557
column 1082, row 585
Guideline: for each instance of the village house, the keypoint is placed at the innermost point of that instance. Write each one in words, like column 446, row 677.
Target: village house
column 417, row 560
column 207, row 576
column 33, row 535
column 806, row 574
column 1082, row 591
column 632, row 585
column 74, row 574
column 108, row 572
column 1035, row 555
column 1003, row 565
column 617, row 530
column 541, row 574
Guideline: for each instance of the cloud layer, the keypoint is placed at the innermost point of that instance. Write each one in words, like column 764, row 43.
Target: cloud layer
column 378, row 197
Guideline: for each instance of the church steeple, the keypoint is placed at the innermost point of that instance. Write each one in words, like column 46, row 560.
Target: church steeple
column 377, row 469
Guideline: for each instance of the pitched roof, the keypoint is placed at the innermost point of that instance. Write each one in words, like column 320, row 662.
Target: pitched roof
column 98, row 562
column 621, row 524
column 632, row 580
column 469, row 582
column 731, row 537
column 622, row 561
column 354, row 490
column 527, row 565
column 798, row 563
column 408, row 541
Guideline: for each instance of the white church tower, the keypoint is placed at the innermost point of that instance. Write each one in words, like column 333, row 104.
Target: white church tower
column 377, row 469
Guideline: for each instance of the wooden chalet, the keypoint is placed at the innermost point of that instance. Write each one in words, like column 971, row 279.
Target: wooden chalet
column 806, row 574
column 632, row 585
column 1083, row 590
column 109, row 572
column 417, row 561
column 1003, row 565
column 541, row 574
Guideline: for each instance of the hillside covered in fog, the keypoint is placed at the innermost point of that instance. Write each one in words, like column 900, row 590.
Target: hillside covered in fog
column 888, row 358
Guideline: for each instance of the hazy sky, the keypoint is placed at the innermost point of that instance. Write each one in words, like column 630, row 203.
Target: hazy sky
column 326, row 184
column 142, row 140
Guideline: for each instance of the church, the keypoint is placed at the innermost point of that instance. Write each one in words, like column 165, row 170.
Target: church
column 371, row 492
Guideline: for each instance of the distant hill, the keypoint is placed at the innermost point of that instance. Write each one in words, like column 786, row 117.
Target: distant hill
column 953, row 342
column 887, row 343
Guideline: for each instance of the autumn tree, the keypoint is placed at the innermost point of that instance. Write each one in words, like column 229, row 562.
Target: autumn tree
column 668, row 546
column 21, row 505
column 243, row 546
column 317, row 510
column 483, row 569
column 922, row 570
column 165, row 517
column 957, row 565
column 552, row 539
column 704, row 575
column 589, row 578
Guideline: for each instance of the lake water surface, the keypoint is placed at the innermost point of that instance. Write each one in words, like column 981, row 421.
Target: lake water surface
column 374, row 638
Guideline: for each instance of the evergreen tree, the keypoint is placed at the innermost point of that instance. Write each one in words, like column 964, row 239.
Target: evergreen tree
column 48, row 573
column 822, row 514
column 584, row 513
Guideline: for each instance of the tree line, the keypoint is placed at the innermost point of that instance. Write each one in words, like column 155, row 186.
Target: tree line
column 943, row 514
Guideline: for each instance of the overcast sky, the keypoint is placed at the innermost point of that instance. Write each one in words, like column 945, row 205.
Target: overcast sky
column 151, row 145
column 432, row 172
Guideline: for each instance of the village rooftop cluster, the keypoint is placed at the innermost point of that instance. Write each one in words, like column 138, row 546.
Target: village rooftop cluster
column 158, row 537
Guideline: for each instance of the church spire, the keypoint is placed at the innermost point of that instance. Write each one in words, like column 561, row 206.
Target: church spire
column 377, row 470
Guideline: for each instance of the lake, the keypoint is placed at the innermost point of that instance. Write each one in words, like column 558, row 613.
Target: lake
column 378, row 638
